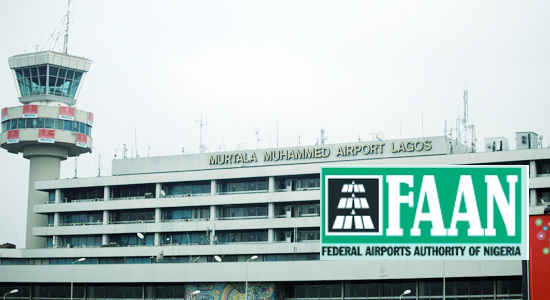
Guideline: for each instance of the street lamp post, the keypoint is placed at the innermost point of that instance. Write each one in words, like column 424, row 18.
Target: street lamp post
column 246, row 274
column 406, row 292
column 78, row 260
column 10, row 292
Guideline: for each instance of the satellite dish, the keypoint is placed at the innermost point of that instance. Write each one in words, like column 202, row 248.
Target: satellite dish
column 196, row 259
column 488, row 145
column 160, row 256
column 217, row 258
column 140, row 235
column 380, row 135
column 540, row 137
column 162, row 193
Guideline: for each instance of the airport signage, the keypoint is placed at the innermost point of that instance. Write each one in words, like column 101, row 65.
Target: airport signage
column 360, row 150
column 46, row 135
column 81, row 140
column 4, row 114
column 30, row 111
column 90, row 119
column 13, row 136
column 424, row 213
column 66, row 113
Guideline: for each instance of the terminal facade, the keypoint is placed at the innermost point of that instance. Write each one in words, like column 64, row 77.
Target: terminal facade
column 231, row 224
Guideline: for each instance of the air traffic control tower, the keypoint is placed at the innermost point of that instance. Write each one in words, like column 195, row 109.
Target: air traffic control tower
column 47, row 128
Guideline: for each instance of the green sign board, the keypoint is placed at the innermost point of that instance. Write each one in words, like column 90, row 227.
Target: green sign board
column 424, row 213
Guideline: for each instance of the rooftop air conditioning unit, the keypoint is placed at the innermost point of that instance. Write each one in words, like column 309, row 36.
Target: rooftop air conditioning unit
column 96, row 199
column 140, row 221
column 73, row 224
column 68, row 246
column 46, row 202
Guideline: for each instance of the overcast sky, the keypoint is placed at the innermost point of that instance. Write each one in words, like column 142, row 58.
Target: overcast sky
column 351, row 67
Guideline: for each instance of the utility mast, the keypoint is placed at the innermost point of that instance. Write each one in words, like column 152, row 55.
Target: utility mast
column 322, row 138
column 202, row 147
column 66, row 41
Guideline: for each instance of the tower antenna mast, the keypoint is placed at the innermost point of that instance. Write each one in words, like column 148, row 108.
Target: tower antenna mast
column 66, row 41
column 201, row 146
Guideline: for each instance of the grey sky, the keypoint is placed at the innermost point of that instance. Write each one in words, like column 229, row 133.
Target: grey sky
column 352, row 67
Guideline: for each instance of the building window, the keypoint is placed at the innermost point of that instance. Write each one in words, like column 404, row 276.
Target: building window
column 543, row 167
column 298, row 209
column 48, row 123
column 133, row 216
column 82, row 218
column 241, row 236
column 250, row 211
column 298, row 183
column 543, row 196
column 240, row 186
column 290, row 235
column 76, row 241
column 82, row 194
column 187, row 189
column 136, row 191
column 131, row 239
column 174, row 214
column 185, row 238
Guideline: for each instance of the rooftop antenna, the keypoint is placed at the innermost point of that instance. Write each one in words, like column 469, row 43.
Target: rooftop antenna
column 116, row 150
column 323, row 138
column 124, row 149
column 66, row 41
column 422, row 123
column 99, row 165
column 257, row 139
column 135, row 139
column 75, row 165
column 202, row 147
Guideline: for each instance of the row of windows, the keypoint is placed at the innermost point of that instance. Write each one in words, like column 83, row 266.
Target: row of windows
column 47, row 123
column 302, row 209
column 472, row 288
column 79, row 218
column 187, row 188
column 186, row 213
column 165, row 260
column 48, row 79
column 298, row 183
column 245, row 211
column 249, row 185
column 133, row 215
column 193, row 238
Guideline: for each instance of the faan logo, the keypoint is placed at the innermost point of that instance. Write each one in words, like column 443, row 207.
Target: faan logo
column 354, row 205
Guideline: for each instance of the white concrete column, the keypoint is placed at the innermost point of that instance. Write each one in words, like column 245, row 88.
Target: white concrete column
column 157, row 190
column 533, row 169
column 213, row 187
column 157, row 238
column 57, row 196
column 157, row 215
column 271, row 210
column 213, row 215
column 106, row 193
column 105, row 239
column 270, row 235
column 56, row 219
column 271, row 184
column 533, row 197
column 105, row 217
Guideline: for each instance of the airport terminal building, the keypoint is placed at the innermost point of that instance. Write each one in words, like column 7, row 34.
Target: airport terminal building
column 227, row 224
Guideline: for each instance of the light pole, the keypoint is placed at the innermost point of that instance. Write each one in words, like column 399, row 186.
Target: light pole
column 406, row 292
column 246, row 274
column 78, row 260
column 10, row 292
